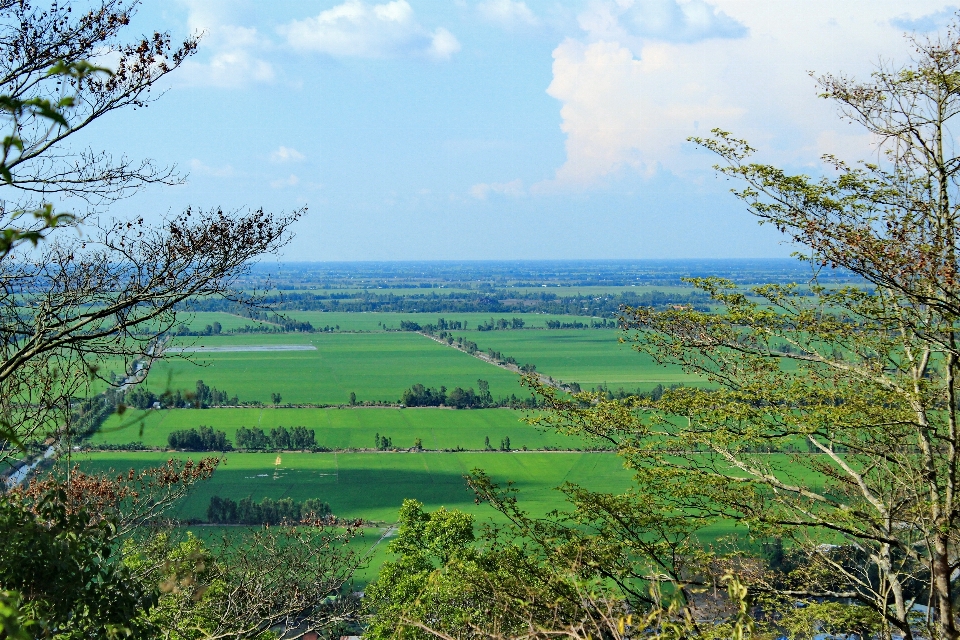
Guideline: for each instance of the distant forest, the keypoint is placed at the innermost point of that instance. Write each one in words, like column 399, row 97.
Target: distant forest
column 503, row 301
column 492, row 274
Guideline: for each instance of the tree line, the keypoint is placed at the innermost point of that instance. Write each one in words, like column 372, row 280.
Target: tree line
column 493, row 301
column 265, row 512
column 280, row 439
column 202, row 397
column 254, row 439
column 421, row 396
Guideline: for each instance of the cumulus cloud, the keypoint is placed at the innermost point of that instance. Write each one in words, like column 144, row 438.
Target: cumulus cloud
column 286, row 154
column 283, row 183
column 513, row 189
column 599, row 86
column 233, row 56
column 507, row 13
column 357, row 29
column 632, row 88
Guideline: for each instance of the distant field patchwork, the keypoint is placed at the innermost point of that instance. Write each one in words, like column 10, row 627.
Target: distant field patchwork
column 587, row 356
column 345, row 428
column 373, row 486
column 377, row 367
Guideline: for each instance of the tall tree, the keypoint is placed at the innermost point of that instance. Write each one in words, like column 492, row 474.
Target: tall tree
column 830, row 417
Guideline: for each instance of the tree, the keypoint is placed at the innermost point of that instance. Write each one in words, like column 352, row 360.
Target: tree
column 276, row 398
column 484, row 397
column 353, row 398
column 270, row 579
column 60, row 559
column 74, row 302
column 863, row 377
column 442, row 582
column 72, row 305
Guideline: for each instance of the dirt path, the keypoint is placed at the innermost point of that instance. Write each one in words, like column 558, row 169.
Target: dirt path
column 480, row 355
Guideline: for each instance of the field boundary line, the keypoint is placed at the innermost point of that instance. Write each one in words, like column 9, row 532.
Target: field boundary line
column 480, row 355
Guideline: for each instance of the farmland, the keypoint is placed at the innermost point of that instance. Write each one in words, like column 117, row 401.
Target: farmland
column 588, row 357
column 364, row 357
column 344, row 428
column 373, row 485
column 377, row 367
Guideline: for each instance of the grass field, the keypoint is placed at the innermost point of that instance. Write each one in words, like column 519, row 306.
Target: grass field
column 344, row 428
column 587, row 356
column 375, row 366
column 373, row 485
column 197, row 321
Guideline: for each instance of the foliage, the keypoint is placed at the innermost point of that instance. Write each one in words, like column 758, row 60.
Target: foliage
column 259, row 584
column 204, row 439
column 281, row 439
column 58, row 574
column 445, row 583
column 860, row 383
column 459, row 398
column 267, row 511
column 132, row 499
column 70, row 304
column 421, row 396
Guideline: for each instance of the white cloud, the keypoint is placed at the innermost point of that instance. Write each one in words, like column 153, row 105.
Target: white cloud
column 286, row 154
column 513, row 189
column 599, row 86
column 283, row 183
column 631, row 93
column 230, row 55
column 507, row 13
column 216, row 172
column 357, row 29
column 443, row 44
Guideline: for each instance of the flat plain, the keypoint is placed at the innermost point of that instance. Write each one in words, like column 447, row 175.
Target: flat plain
column 589, row 357
column 375, row 366
column 373, row 485
column 348, row 428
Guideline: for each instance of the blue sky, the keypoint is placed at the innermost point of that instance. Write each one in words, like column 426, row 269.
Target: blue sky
column 499, row 129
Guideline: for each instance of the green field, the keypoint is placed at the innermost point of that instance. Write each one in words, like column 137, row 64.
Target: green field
column 377, row 367
column 373, row 485
column 197, row 321
column 587, row 356
column 344, row 428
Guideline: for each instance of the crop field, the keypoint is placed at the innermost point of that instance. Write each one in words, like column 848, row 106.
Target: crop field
column 349, row 428
column 373, row 485
column 198, row 320
column 587, row 356
column 377, row 367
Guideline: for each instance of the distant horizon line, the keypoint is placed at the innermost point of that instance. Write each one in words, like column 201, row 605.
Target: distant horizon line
column 535, row 260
